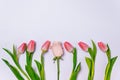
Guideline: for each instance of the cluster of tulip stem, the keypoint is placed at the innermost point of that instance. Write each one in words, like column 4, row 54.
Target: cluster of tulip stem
column 57, row 49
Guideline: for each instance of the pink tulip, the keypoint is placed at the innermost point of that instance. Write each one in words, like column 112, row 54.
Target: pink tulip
column 45, row 46
column 31, row 46
column 102, row 46
column 22, row 48
column 83, row 46
column 68, row 47
column 57, row 49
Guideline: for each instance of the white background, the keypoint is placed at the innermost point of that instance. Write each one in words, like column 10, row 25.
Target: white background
column 60, row 20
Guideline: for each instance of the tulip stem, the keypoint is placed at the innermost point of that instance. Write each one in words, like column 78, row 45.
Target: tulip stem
column 42, row 71
column 58, row 69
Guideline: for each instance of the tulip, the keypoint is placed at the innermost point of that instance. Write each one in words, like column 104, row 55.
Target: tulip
column 102, row 46
column 111, row 60
column 57, row 49
column 45, row 46
column 44, row 49
column 83, row 46
column 31, row 46
column 76, row 68
column 58, row 52
column 90, row 60
column 68, row 47
column 22, row 48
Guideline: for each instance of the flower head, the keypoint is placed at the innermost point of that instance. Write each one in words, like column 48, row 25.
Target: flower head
column 21, row 49
column 83, row 46
column 68, row 47
column 31, row 46
column 45, row 46
column 102, row 46
column 57, row 49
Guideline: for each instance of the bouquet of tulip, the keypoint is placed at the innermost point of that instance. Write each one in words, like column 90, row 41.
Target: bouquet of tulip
column 105, row 48
column 30, row 73
column 90, row 61
column 76, row 68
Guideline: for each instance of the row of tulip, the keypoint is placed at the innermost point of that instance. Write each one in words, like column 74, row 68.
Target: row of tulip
column 57, row 49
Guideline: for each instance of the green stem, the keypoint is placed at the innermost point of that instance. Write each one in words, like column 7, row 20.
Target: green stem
column 58, row 69
column 42, row 71
column 74, row 64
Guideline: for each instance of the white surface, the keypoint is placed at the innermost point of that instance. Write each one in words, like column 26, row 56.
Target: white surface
column 71, row 20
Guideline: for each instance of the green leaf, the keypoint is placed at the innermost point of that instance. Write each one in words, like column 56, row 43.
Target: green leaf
column 106, row 71
column 108, row 53
column 39, row 66
column 14, row 58
column 94, row 50
column 77, row 70
column 14, row 51
column 32, row 74
column 14, row 70
column 9, row 52
column 89, row 62
column 92, row 71
column 74, row 58
column 112, row 61
column 90, row 52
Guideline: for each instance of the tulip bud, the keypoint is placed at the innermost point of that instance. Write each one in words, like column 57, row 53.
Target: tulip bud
column 102, row 46
column 22, row 48
column 68, row 47
column 45, row 46
column 57, row 49
column 31, row 46
column 83, row 46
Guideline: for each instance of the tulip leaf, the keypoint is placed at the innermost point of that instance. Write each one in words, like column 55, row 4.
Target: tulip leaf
column 14, row 51
column 78, row 68
column 74, row 58
column 108, row 53
column 14, row 70
column 39, row 66
column 75, row 73
column 14, row 58
column 94, row 50
column 9, row 52
column 112, row 61
column 90, row 52
column 33, row 75
column 89, row 62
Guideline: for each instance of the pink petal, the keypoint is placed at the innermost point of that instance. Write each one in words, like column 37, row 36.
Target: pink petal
column 102, row 46
column 83, row 46
column 22, row 48
column 57, row 49
column 68, row 47
column 45, row 46
column 31, row 46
